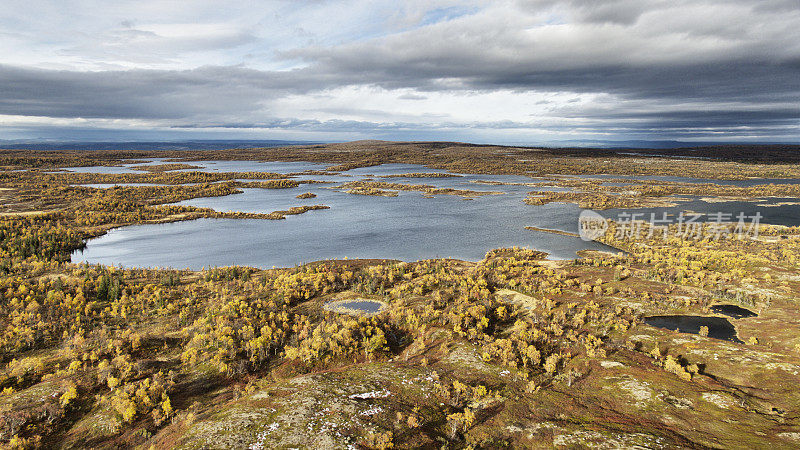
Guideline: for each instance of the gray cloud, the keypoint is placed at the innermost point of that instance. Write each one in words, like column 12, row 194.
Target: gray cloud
column 145, row 94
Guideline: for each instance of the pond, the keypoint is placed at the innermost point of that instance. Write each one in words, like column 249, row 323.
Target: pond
column 358, row 306
column 718, row 327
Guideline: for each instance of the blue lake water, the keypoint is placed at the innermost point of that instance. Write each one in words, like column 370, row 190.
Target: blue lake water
column 206, row 166
column 102, row 169
column 408, row 227
column 254, row 166
column 111, row 185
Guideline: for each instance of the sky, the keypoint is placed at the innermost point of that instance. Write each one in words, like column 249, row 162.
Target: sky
column 504, row 71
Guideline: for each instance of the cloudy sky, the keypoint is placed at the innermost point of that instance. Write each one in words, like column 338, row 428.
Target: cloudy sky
column 516, row 71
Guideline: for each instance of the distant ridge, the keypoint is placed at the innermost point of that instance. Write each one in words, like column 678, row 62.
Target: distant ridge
column 224, row 144
column 148, row 145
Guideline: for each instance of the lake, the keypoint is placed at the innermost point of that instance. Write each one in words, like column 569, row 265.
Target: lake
column 408, row 227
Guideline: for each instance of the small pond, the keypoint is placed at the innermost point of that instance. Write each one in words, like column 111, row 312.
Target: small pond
column 736, row 312
column 357, row 306
column 718, row 327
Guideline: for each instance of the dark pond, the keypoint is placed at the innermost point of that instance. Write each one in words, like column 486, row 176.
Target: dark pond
column 718, row 327
column 737, row 312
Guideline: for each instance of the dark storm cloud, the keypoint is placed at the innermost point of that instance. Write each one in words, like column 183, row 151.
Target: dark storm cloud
column 145, row 94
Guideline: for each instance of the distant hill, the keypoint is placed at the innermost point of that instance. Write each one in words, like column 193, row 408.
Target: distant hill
column 150, row 145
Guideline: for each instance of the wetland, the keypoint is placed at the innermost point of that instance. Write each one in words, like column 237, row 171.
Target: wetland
column 434, row 307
